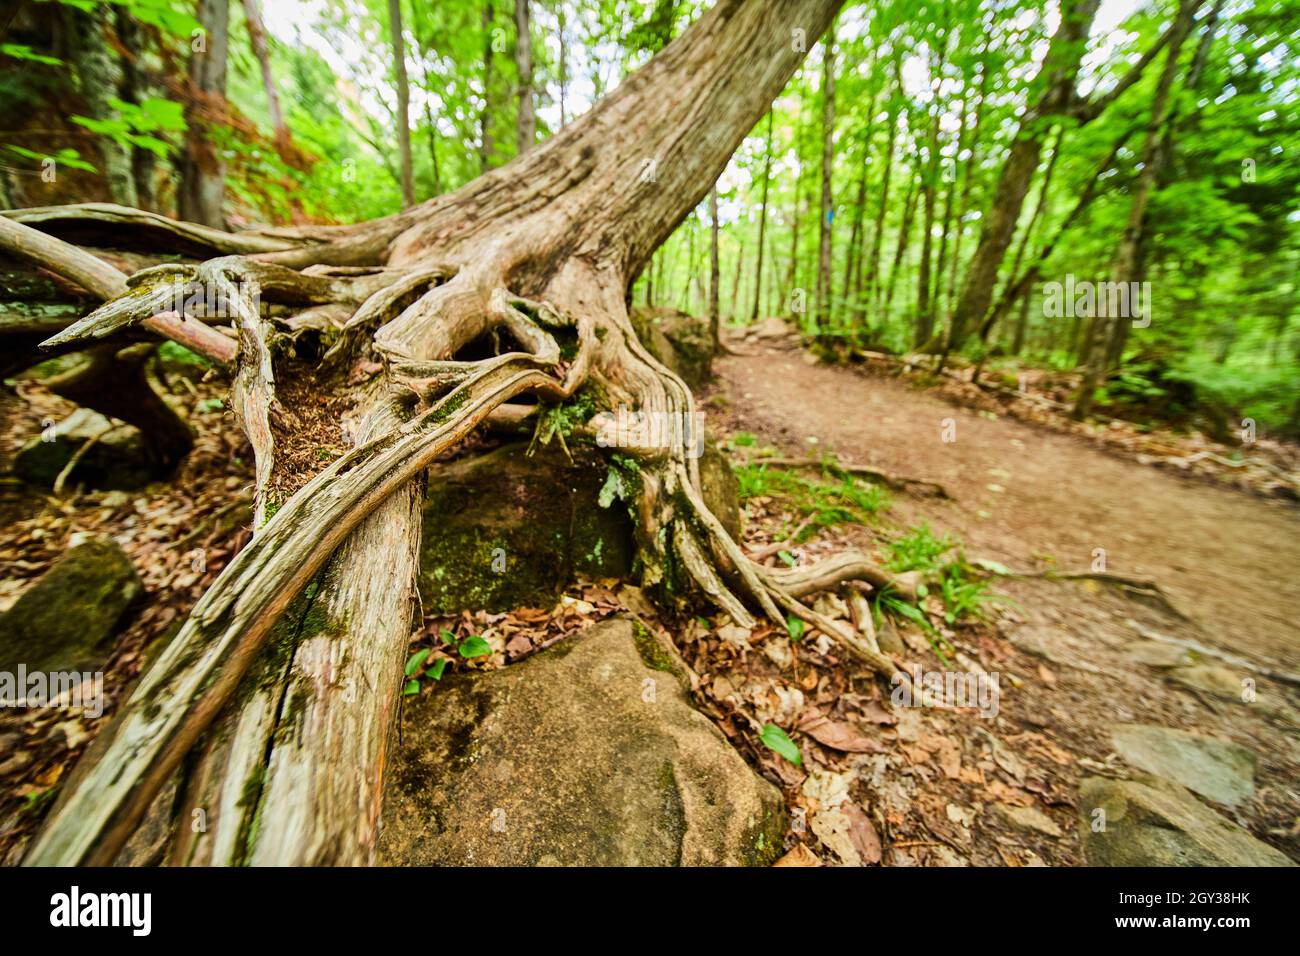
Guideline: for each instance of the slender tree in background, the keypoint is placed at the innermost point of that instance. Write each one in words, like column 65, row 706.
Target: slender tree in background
column 1125, row 266
column 1059, row 97
column 100, row 72
column 871, row 290
column 715, row 317
column 486, row 145
column 430, row 125
column 967, row 177
column 202, row 190
column 929, row 185
column 562, row 67
column 257, row 38
column 403, row 119
column 138, row 85
column 826, row 210
column 762, row 219
column 526, row 128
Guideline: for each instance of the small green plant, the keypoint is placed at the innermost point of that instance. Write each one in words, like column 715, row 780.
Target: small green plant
column 918, row 550
column 795, row 628
column 419, row 668
column 836, row 499
column 778, row 741
column 964, row 596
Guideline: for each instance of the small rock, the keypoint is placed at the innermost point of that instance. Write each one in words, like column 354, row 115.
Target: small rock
column 1158, row 654
column 64, row 621
column 1028, row 818
column 1145, row 824
column 1222, row 771
column 1210, row 679
column 117, row 459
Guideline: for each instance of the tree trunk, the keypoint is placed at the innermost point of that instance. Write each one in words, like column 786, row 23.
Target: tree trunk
column 715, row 317
column 968, row 176
column 762, row 220
column 878, row 234
column 924, row 304
column 99, row 75
column 827, row 205
column 904, row 235
column 202, row 190
column 257, row 37
column 1125, row 266
column 485, row 143
column 403, row 119
column 1060, row 68
column 527, row 125
column 137, row 86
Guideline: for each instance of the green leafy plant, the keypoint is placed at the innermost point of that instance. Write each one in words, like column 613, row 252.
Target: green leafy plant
column 137, row 124
column 778, row 741
column 795, row 628
column 839, row 500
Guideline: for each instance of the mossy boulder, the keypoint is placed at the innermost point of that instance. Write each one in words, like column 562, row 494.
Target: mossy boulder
column 508, row 530
column 586, row 754
column 115, row 461
column 65, row 621
column 680, row 341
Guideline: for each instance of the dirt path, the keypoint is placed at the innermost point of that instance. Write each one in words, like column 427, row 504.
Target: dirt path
column 1023, row 495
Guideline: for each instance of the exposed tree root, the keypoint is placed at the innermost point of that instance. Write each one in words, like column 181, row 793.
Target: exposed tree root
column 293, row 657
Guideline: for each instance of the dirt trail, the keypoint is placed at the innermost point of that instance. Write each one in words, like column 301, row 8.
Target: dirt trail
column 1021, row 494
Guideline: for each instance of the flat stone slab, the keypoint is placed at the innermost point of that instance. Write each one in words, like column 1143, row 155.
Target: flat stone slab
column 586, row 754
column 1131, row 823
column 1219, row 770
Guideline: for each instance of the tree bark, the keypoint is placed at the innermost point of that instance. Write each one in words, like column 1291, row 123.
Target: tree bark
column 257, row 37
column 827, row 203
column 527, row 125
column 1124, row 268
column 99, row 73
column 403, row 103
column 546, row 247
column 762, row 220
column 485, row 143
column 202, row 190
column 1060, row 69
column 715, row 317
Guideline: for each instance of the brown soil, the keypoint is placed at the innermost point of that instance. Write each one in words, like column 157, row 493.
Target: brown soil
column 1034, row 499
column 1031, row 499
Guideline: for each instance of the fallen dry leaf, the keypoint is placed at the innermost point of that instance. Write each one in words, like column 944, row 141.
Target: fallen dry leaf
column 799, row 856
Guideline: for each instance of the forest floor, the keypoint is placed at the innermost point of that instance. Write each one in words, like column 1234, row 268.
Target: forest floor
column 1075, row 656
column 877, row 782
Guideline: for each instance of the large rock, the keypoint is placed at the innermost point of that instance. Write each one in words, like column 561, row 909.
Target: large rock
column 587, row 754
column 1154, row 824
column 681, row 341
column 116, row 459
column 65, row 620
column 508, row 530
column 1220, row 770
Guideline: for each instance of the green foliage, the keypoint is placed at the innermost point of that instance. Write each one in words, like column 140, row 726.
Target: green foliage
column 834, row 500
column 795, row 628
column 778, row 741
